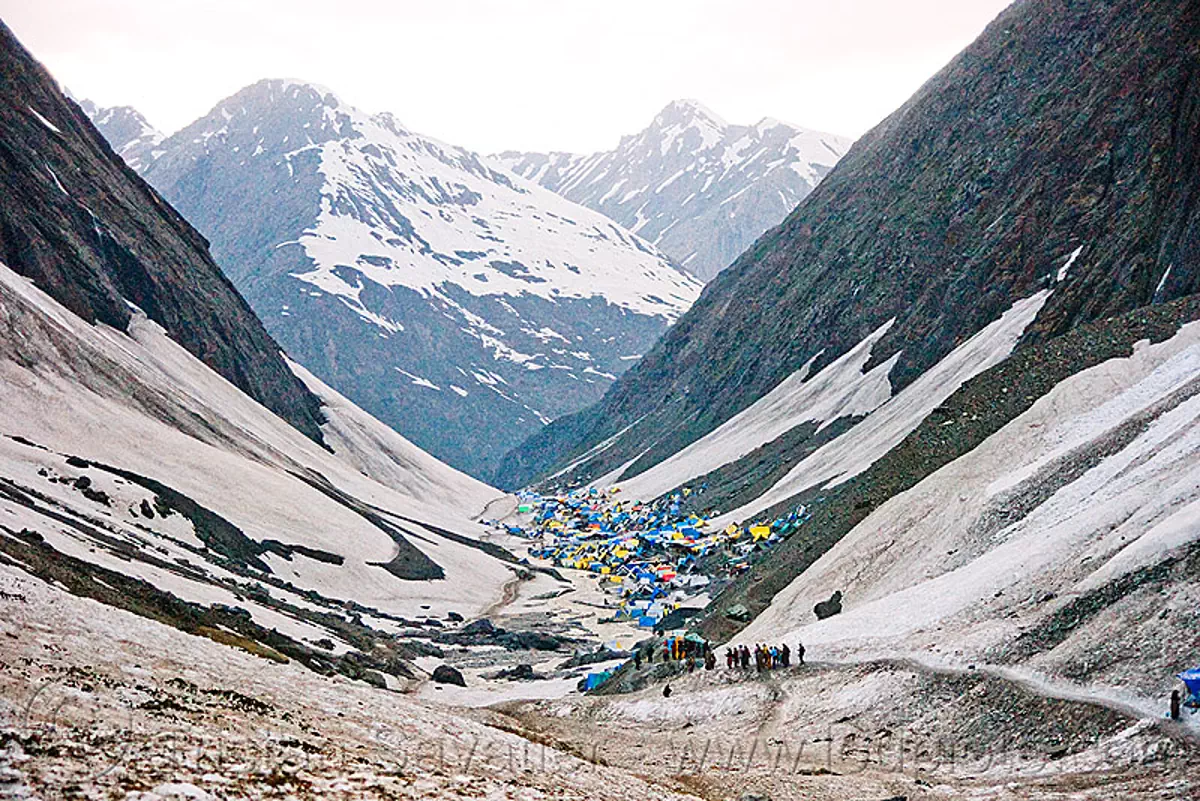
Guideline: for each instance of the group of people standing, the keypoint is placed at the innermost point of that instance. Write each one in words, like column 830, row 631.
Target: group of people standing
column 766, row 657
column 679, row 649
column 697, row 653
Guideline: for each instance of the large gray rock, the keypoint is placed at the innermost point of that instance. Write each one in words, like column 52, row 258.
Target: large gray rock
column 738, row 612
column 829, row 608
column 444, row 674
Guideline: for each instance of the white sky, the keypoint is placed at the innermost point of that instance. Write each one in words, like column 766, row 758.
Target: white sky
column 510, row 74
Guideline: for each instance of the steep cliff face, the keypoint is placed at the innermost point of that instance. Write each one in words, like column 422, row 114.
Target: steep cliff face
column 89, row 232
column 1058, row 152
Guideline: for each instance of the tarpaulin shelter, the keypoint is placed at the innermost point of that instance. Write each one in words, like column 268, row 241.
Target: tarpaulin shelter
column 1191, row 680
column 594, row 680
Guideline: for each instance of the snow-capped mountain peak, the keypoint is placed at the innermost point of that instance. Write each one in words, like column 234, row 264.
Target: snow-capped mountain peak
column 130, row 134
column 434, row 287
column 686, row 124
column 702, row 190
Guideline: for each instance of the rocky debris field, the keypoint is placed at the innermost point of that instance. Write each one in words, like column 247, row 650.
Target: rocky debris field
column 99, row 703
column 879, row 730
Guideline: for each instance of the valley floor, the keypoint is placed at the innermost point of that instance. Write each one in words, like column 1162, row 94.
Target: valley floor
column 98, row 703
column 879, row 730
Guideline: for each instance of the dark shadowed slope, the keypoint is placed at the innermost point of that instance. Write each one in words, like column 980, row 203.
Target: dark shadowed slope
column 1058, row 151
column 82, row 225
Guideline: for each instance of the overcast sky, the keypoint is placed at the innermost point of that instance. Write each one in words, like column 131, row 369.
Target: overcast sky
column 510, row 74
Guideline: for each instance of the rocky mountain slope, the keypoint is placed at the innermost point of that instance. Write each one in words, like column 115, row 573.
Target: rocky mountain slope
column 79, row 223
column 455, row 302
column 700, row 189
column 1021, row 219
column 159, row 454
column 928, row 231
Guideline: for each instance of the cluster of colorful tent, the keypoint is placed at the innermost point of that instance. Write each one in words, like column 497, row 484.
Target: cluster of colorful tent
column 652, row 555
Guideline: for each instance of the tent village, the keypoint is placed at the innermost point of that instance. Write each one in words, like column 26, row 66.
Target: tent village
column 653, row 557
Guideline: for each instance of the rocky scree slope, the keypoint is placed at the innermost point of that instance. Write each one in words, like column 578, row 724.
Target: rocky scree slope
column 452, row 300
column 1058, row 151
column 82, row 225
column 700, row 189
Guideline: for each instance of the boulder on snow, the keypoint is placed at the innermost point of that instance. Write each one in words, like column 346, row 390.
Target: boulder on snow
column 526, row 640
column 518, row 673
column 593, row 657
column 482, row 626
column 829, row 608
column 374, row 678
column 444, row 674
column 738, row 612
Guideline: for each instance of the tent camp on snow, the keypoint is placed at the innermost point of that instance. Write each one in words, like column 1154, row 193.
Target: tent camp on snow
column 653, row 555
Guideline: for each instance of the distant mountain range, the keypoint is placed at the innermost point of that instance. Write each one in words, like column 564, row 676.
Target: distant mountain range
column 700, row 189
column 458, row 303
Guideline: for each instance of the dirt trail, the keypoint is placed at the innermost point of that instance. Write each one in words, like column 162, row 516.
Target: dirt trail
column 1034, row 685
column 508, row 593
column 498, row 508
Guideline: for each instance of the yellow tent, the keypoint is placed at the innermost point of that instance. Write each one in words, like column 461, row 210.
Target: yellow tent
column 760, row 532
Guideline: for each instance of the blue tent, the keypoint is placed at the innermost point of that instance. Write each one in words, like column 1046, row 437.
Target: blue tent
column 1191, row 679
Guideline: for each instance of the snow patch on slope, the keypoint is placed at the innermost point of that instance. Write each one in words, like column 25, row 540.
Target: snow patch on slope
column 141, row 402
column 920, row 576
column 853, row 452
column 841, row 389
column 404, row 208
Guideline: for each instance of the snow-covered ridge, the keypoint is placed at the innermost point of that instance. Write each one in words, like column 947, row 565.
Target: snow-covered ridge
column 445, row 295
column 141, row 403
column 130, row 134
column 696, row 186
column 403, row 209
